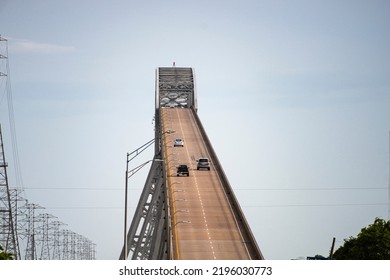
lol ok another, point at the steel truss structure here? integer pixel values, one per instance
(148, 237)
(147, 234)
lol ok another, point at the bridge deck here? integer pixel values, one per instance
(203, 223)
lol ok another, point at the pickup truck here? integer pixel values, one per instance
(182, 170)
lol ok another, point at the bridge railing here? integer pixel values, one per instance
(246, 232)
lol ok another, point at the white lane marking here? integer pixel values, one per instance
(199, 195)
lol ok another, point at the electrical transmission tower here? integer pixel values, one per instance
(8, 235)
(32, 218)
(18, 217)
(23, 231)
(56, 239)
(8, 197)
(44, 229)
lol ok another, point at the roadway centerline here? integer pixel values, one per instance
(198, 190)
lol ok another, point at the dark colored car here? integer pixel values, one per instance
(182, 170)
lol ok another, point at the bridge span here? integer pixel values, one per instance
(195, 217)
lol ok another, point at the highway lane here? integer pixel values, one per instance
(203, 224)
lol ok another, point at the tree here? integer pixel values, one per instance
(372, 243)
(5, 255)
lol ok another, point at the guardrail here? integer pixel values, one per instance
(249, 239)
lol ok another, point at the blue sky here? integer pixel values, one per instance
(294, 95)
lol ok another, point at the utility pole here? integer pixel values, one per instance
(332, 248)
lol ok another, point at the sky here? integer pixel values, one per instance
(294, 96)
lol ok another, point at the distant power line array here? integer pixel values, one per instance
(38, 234)
(26, 230)
(254, 189)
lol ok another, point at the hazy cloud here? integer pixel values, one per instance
(26, 46)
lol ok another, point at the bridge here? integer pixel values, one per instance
(195, 217)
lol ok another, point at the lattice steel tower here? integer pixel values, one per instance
(8, 236)
(32, 218)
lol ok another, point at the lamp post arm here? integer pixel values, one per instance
(136, 152)
(136, 169)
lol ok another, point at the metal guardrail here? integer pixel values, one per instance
(249, 239)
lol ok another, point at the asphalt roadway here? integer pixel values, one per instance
(202, 221)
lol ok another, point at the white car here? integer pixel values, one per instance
(178, 143)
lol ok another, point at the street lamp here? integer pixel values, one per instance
(130, 173)
(136, 152)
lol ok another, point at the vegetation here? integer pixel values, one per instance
(372, 243)
(5, 255)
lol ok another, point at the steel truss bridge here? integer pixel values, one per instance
(186, 218)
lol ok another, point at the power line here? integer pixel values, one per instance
(243, 206)
(84, 207)
(24, 221)
(11, 115)
(316, 205)
(309, 189)
(241, 189)
(81, 189)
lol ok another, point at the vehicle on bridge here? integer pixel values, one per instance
(182, 169)
(203, 163)
(178, 143)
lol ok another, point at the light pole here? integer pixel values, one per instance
(129, 173)
(136, 152)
